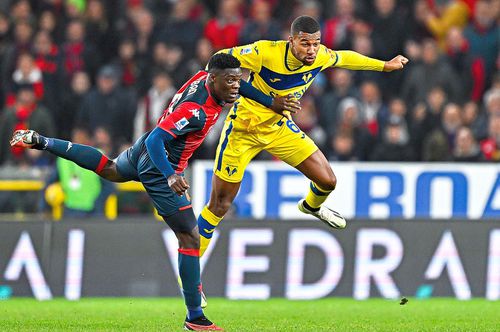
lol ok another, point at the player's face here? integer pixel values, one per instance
(305, 46)
(227, 84)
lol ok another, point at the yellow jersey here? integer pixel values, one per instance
(275, 71)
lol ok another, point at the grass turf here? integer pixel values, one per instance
(334, 314)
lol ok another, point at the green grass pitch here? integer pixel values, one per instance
(333, 314)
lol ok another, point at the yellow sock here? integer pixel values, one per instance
(316, 195)
(207, 221)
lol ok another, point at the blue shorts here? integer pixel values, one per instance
(134, 164)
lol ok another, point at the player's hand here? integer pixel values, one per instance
(284, 105)
(178, 184)
(395, 64)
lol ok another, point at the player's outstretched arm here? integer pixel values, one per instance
(356, 61)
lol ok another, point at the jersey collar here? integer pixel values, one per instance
(290, 60)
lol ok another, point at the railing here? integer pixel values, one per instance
(111, 205)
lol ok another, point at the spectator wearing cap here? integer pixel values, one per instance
(110, 106)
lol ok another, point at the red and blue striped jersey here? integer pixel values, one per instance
(189, 117)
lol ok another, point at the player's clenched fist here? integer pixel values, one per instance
(395, 64)
(178, 184)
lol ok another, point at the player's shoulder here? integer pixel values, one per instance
(191, 109)
(270, 45)
(326, 54)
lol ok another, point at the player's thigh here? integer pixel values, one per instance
(166, 201)
(291, 145)
(317, 169)
(235, 150)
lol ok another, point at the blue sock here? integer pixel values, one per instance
(83, 155)
(189, 271)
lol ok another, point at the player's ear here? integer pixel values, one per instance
(211, 78)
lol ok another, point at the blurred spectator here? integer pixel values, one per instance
(338, 30)
(83, 192)
(26, 73)
(144, 31)
(70, 104)
(374, 110)
(471, 74)
(26, 113)
(491, 145)
(444, 15)
(223, 30)
(261, 25)
(483, 36)
(98, 29)
(425, 117)
(466, 147)
(47, 60)
(203, 53)
(475, 119)
(23, 33)
(170, 59)
(132, 70)
(48, 23)
(152, 105)
(77, 55)
(434, 70)
(439, 144)
(109, 106)
(342, 147)
(395, 143)
(341, 87)
(389, 30)
(351, 122)
(182, 27)
(307, 120)
(20, 10)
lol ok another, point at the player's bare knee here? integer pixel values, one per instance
(329, 184)
(220, 205)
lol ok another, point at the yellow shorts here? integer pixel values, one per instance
(237, 147)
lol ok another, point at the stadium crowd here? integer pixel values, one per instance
(105, 69)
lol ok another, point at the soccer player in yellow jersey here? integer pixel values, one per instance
(279, 68)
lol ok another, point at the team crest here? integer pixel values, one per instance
(306, 77)
(230, 169)
(181, 123)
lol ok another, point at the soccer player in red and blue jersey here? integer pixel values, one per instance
(159, 158)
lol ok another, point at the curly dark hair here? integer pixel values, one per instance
(222, 61)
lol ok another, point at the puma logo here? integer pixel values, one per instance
(274, 80)
(70, 145)
(209, 231)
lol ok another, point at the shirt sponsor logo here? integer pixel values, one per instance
(181, 123)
